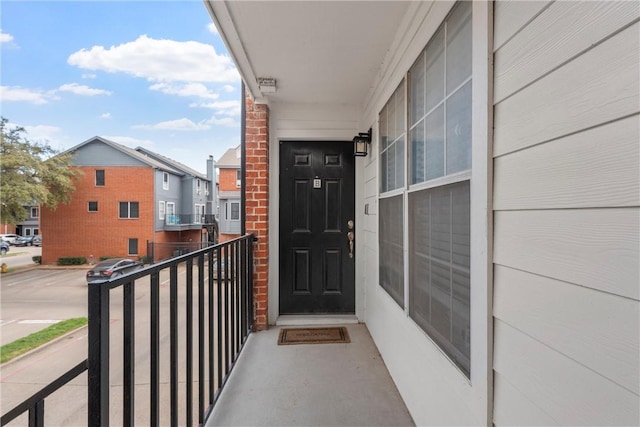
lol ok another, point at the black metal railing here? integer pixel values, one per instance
(182, 219)
(194, 311)
(34, 405)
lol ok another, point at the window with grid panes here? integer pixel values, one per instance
(439, 91)
(392, 131)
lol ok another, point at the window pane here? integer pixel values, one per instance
(383, 172)
(417, 153)
(435, 70)
(459, 45)
(93, 206)
(124, 210)
(392, 247)
(399, 180)
(100, 178)
(435, 143)
(384, 132)
(439, 221)
(133, 210)
(161, 210)
(416, 90)
(391, 164)
(399, 111)
(459, 130)
(133, 246)
(235, 211)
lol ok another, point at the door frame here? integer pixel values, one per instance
(274, 225)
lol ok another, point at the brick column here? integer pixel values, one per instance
(257, 203)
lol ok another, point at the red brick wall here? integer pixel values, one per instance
(71, 230)
(227, 180)
(257, 202)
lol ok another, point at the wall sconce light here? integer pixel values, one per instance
(361, 143)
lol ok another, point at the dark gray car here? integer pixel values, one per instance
(112, 268)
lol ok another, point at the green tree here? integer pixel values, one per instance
(31, 173)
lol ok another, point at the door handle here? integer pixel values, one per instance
(350, 236)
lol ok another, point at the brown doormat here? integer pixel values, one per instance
(313, 335)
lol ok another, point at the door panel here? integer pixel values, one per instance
(316, 203)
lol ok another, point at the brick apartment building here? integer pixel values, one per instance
(129, 203)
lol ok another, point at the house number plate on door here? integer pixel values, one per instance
(317, 183)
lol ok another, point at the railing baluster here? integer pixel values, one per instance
(232, 305)
(226, 309)
(128, 356)
(219, 293)
(243, 290)
(211, 312)
(201, 344)
(173, 341)
(36, 415)
(189, 343)
(98, 355)
(238, 300)
(154, 397)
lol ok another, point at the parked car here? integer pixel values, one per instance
(24, 241)
(4, 248)
(37, 240)
(111, 268)
(9, 238)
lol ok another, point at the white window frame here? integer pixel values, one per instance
(36, 210)
(206, 188)
(481, 180)
(238, 178)
(198, 186)
(165, 180)
(89, 206)
(161, 210)
(230, 211)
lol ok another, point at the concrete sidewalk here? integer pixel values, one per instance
(310, 385)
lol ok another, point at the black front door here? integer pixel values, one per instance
(317, 197)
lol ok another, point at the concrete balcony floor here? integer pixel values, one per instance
(310, 385)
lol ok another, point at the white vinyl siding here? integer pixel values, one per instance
(567, 213)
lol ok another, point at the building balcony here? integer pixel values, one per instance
(184, 354)
(180, 222)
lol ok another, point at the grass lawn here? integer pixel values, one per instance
(23, 345)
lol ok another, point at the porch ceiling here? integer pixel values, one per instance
(320, 52)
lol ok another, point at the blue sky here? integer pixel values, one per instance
(142, 73)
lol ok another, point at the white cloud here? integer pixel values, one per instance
(212, 28)
(225, 121)
(83, 90)
(190, 89)
(88, 76)
(159, 61)
(225, 108)
(42, 133)
(5, 37)
(131, 142)
(228, 88)
(179, 124)
(105, 115)
(34, 96)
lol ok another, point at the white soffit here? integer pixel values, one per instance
(319, 52)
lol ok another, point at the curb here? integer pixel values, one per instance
(47, 344)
